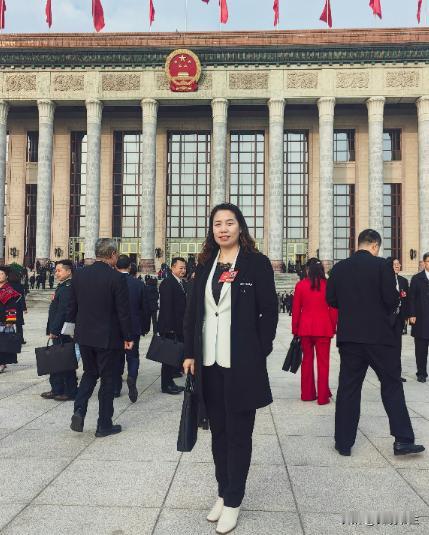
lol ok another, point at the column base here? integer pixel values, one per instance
(147, 265)
(327, 264)
(277, 265)
(89, 261)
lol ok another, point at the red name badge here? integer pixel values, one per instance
(228, 276)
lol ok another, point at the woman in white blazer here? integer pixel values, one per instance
(229, 327)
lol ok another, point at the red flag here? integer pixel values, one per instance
(2, 13)
(206, 1)
(151, 12)
(276, 9)
(419, 10)
(48, 12)
(223, 11)
(98, 15)
(326, 15)
(375, 5)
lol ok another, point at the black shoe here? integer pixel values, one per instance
(77, 422)
(403, 448)
(345, 452)
(172, 389)
(114, 430)
(177, 375)
(403, 379)
(421, 379)
(132, 389)
(23, 342)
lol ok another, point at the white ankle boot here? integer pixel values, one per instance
(216, 511)
(228, 520)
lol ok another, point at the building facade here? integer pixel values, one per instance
(314, 134)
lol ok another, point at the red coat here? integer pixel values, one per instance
(311, 314)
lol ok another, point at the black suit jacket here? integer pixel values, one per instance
(58, 308)
(363, 288)
(172, 306)
(139, 306)
(254, 317)
(99, 306)
(404, 291)
(418, 305)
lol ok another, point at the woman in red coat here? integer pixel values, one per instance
(315, 323)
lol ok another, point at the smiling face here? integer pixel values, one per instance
(226, 230)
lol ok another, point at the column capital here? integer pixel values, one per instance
(46, 110)
(4, 110)
(276, 107)
(94, 110)
(150, 109)
(422, 104)
(220, 109)
(375, 107)
(326, 107)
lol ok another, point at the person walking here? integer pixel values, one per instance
(32, 280)
(402, 313)
(139, 309)
(363, 289)
(151, 284)
(63, 384)
(172, 306)
(315, 322)
(21, 309)
(51, 279)
(99, 307)
(229, 328)
(419, 318)
(9, 303)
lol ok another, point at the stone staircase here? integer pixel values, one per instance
(285, 282)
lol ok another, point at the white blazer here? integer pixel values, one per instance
(217, 324)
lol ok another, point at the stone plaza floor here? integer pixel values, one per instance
(56, 482)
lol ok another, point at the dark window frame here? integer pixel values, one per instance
(344, 223)
(78, 156)
(30, 224)
(32, 151)
(392, 144)
(392, 220)
(350, 150)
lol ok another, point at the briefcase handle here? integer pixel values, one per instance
(190, 383)
(52, 340)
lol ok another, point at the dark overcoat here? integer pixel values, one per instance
(254, 317)
(418, 305)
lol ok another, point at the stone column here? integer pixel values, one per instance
(44, 180)
(4, 109)
(276, 108)
(375, 107)
(94, 115)
(219, 159)
(423, 121)
(150, 116)
(326, 107)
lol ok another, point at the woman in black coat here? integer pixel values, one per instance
(9, 303)
(229, 328)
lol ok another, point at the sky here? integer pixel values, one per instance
(27, 16)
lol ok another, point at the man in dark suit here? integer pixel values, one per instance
(100, 309)
(402, 315)
(139, 309)
(172, 306)
(419, 318)
(363, 288)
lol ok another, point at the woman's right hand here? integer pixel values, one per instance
(189, 366)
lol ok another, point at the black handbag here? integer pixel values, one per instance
(188, 428)
(166, 351)
(294, 356)
(56, 358)
(10, 342)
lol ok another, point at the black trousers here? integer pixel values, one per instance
(231, 436)
(167, 372)
(63, 382)
(133, 362)
(421, 346)
(398, 330)
(97, 363)
(355, 359)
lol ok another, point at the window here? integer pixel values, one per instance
(344, 145)
(188, 184)
(392, 211)
(77, 184)
(344, 221)
(296, 185)
(32, 146)
(247, 178)
(392, 145)
(30, 224)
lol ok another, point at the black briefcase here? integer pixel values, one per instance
(10, 343)
(56, 358)
(294, 356)
(188, 428)
(166, 351)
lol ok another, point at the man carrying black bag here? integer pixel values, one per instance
(63, 384)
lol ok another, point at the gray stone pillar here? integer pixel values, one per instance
(326, 107)
(94, 115)
(276, 108)
(423, 119)
(44, 180)
(375, 107)
(150, 116)
(219, 159)
(4, 109)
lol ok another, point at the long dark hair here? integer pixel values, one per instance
(210, 247)
(315, 272)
